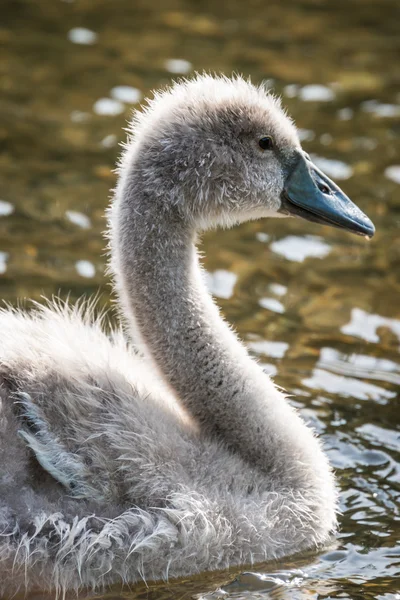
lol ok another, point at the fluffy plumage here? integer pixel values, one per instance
(122, 464)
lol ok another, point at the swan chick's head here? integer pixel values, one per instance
(219, 151)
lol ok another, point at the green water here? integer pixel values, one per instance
(319, 307)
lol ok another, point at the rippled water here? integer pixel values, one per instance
(318, 307)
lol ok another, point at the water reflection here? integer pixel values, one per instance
(108, 106)
(126, 93)
(299, 248)
(318, 308)
(178, 66)
(221, 283)
(6, 208)
(316, 93)
(272, 349)
(347, 386)
(366, 326)
(380, 109)
(278, 289)
(272, 304)
(85, 268)
(3, 262)
(360, 365)
(393, 173)
(81, 35)
(79, 219)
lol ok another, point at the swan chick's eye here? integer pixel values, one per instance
(266, 142)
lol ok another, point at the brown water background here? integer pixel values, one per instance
(319, 307)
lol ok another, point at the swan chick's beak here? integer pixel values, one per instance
(310, 194)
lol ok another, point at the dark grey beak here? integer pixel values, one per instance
(310, 194)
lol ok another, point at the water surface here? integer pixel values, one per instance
(318, 307)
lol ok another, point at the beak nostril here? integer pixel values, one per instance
(324, 188)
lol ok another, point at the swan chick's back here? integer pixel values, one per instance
(123, 489)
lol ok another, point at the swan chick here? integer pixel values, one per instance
(163, 449)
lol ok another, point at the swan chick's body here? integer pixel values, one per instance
(178, 454)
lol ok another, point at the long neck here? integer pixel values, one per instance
(225, 391)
